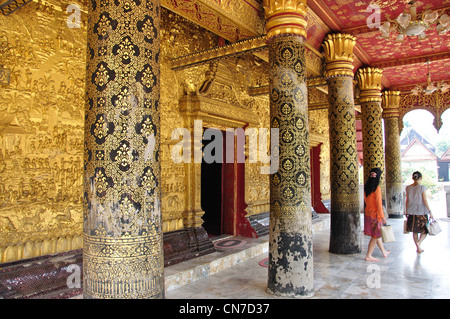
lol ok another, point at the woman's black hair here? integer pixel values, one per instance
(373, 181)
(416, 175)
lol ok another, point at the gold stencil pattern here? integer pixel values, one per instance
(394, 183)
(122, 213)
(290, 185)
(343, 151)
(138, 277)
(393, 160)
(290, 235)
(373, 151)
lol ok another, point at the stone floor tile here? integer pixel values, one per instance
(404, 274)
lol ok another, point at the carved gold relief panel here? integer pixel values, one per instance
(41, 125)
(41, 130)
(179, 37)
(318, 124)
(219, 86)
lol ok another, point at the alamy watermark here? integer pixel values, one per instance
(189, 149)
(74, 279)
(374, 279)
(74, 19)
(374, 19)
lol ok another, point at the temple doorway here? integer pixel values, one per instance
(222, 189)
(211, 196)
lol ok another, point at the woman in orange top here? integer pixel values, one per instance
(373, 213)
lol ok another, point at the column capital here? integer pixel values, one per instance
(369, 81)
(338, 52)
(390, 103)
(285, 17)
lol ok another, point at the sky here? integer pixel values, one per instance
(422, 122)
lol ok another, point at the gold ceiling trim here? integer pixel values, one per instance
(231, 50)
(411, 60)
(256, 45)
(314, 82)
(232, 20)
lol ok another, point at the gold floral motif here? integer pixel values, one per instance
(290, 186)
(343, 163)
(104, 25)
(147, 127)
(101, 75)
(101, 129)
(101, 183)
(124, 154)
(148, 180)
(148, 77)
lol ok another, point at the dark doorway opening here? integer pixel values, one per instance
(223, 186)
(211, 193)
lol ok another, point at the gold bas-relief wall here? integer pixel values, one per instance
(41, 131)
(42, 118)
(318, 124)
(179, 37)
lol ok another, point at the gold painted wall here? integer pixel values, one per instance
(318, 123)
(41, 132)
(179, 37)
(42, 118)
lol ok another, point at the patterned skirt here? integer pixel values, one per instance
(372, 226)
(417, 224)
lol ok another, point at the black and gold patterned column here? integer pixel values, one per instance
(369, 81)
(394, 183)
(122, 253)
(290, 239)
(345, 231)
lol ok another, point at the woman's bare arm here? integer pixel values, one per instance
(425, 202)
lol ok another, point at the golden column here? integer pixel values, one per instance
(122, 252)
(345, 231)
(369, 81)
(290, 237)
(394, 183)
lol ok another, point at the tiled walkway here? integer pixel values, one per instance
(403, 274)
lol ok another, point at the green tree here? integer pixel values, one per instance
(442, 145)
(428, 176)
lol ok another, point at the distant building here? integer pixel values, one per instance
(409, 138)
(418, 153)
(444, 167)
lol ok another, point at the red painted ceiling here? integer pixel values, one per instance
(402, 62)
